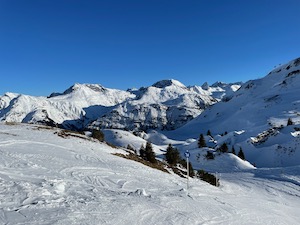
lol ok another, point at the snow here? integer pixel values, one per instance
(167, 104)
(47, 179)
(260, 108)
(76, 106)
(48, 176)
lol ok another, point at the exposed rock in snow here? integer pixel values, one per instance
(166, 83)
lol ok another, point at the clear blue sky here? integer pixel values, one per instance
(48, 45)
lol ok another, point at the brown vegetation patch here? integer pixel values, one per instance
(158, 165)
(70, 133)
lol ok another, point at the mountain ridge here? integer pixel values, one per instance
(256, 118)
(82, 104)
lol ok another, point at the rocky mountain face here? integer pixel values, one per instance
(167, 104)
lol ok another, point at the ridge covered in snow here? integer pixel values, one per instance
(83, 102)
(255, 117)
(167, 104)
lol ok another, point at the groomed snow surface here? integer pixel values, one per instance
(48, 179)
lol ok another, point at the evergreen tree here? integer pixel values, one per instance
(201, 141)
(208, 133)
(241, 154)
(233, 150)
(209, 155)
(149, 154)
(143, 152)
(290, 122)
(224, 148)
(172, 155)
(191, 170)
(210, 178)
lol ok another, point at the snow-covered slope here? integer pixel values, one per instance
(51, 179)
(259, 112)
(167, 104)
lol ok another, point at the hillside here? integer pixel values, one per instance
(48, 176)
(255, 118)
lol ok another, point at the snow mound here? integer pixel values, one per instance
(139, 192)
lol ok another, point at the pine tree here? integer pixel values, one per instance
(149, 154)
(241, 154)
(290, 122)
(224, 148)
(191, 170)
(172, 155)
(210, 178)
(201, 141)
(233, 150)
(208, 133)
(209, 155)
(183, 162)
(142, 152)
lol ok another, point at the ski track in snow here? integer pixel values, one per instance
(45, 179)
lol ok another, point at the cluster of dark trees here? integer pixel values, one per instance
(223, 148)
(147, 153)
(208, 177)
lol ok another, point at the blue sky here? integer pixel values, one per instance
(48, 45)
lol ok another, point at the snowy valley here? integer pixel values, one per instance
(50, 175)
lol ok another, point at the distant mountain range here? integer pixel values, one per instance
(166, 105)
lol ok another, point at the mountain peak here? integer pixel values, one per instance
(78, 86)
(290, 66)
(205, 86)
(166, 83)
(219, 84)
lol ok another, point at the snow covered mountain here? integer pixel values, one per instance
(77, 106)
(167, 104)
(256, 117)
